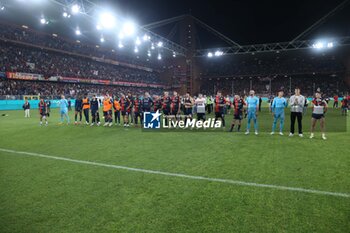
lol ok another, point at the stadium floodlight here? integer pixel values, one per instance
(43, 21)
(75, 9)
(146, 37)
(318, 45)
(152, 46)
(149, 53)
(129, 28)
(210, 54)
(137, 41)
(174, 54)
(2, 8)
(120, 45)
(66, 15)
(160, 44)
(330, 45)
(121, 35)
(107, 20)
(159, 56)
(136, 50)
(218, 53)
(77, 32)
(102, 39)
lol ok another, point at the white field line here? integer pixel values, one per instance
(227, 181)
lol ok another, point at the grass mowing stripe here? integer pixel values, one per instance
(235, 182)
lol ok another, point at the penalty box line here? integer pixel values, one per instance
(218, 180)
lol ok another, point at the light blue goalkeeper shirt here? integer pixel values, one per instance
(63, 105)
(252, 103)
(278, 104)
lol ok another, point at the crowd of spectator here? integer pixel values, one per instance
(329, 85)
(33, 60)
(17, 33)
(15, 88)
(302, 62)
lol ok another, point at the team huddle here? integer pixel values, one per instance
(129, 109)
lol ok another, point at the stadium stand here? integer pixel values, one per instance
(33, 60)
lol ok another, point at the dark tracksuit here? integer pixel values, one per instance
(147, 104)
(94, 111)
(78, 108)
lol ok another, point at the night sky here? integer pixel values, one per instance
(244, 21)
(248, 21)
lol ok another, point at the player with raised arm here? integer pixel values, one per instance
(64, 109)
(238, 109)
(42, 111)
(319, 108)
(278, 105)
(252, 111)
(220, 107)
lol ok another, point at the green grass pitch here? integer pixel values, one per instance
(44, 195)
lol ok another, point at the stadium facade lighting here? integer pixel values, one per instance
(107, 20)
(218, 53)
(77, 32)
(120, 45)
(102, 39)
(174, 54)
(152, 46)
(146, 37)
(129, 28)
(75, 9)
(210, 54)
(43, 21)
(136, 49)
(65, 15)
(137, 41)
(318, 45)
(2, 8)
(160, 44)
(121, 35)
(330, 45)
(159, 56)
(149, 53)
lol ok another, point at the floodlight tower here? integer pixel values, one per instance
(188, 40)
